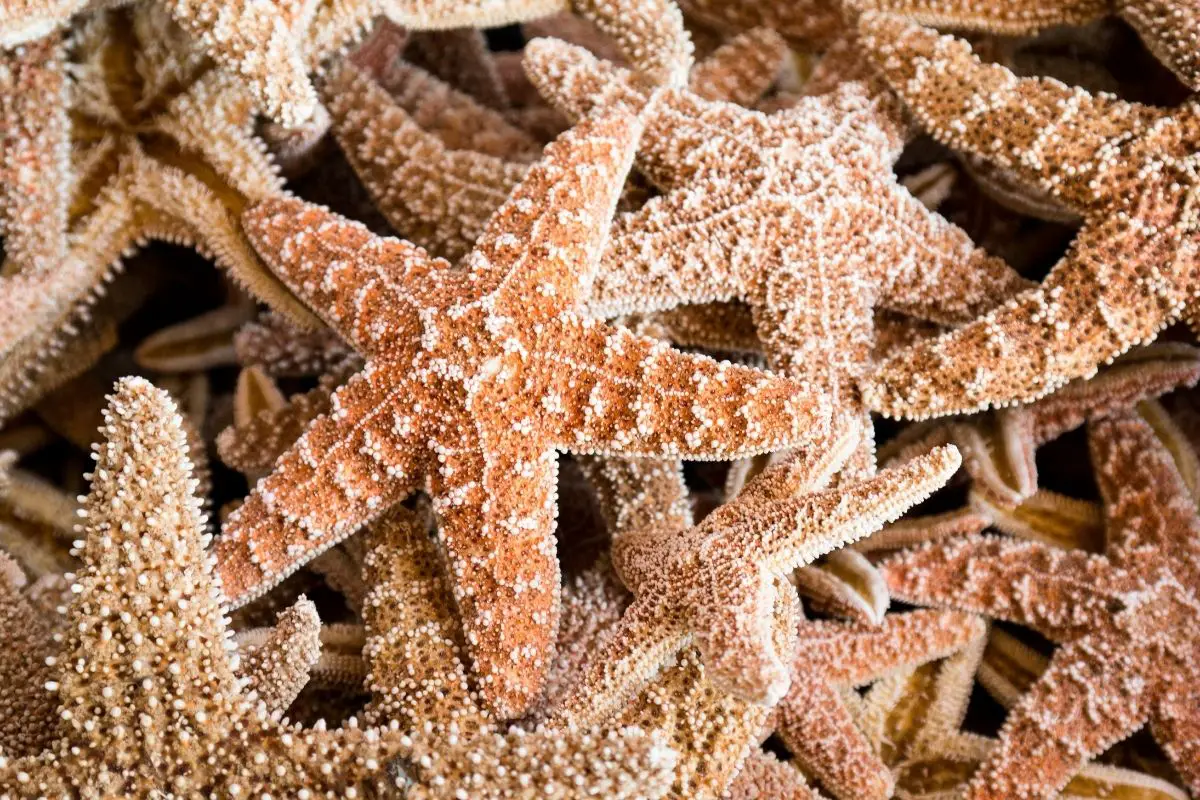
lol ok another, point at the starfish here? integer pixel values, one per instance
(27, 715)
(37, 521)
(462, 58)
(164, 149)
(468, 391)
(198, 344)
(282, 350)
(1129, 649)
(1126, 168)
(277, 668)
(786, 201)
(438, 165)
(713, 584)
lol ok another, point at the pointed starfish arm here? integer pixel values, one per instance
(341, 268)
(278, 668)
(854, 654)
(540, 250)
(764, 775)
(1148, 507)
(254, 445)
(935, 271)
(436, 197)
(1059, 593)
(1058, 138)
(1171, 30)
(350, 466)
(624, 394)
(742, 69)
(1093, 306)
(817, 727)
(1084, 702)
(1176, 725)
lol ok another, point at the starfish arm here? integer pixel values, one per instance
(460, 57)
(854, 654)
(253, 445)
(1021, 18)
(816, 726)
(24, 21)
(630, 658)
(742, 69)
(1058, 138)
(802, 21)
(1085, 701)
(623, 394)
(845, 585)
(436, 197)
(1176, 725)
(1171, 31)
(496, 512)
(1093, 306)
(277, 669)
(349, 466)
(764, 775)
(935, 272)
(283, 350)
(639, 494)
(540, 250)
(1149, 511)
(28, 720)
(1061, 594)
(34, 155)
(349, 276)
(254, 40)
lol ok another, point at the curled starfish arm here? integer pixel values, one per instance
(253, 445)
(1060, 593)
(1149, 510)
(742, 69)
(846, 585)
(339, 267)
(277, 669)
(963, 102)
(437, 197)
(1090, 308)
(630, 395)
(1081, 705)
(34, 155)
(935, 271)
(350, 466)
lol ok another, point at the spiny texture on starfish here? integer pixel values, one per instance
(283, 350)
(1170, 28)
(799, 214)
(277, 668)
(438, 165)
(164, 149)
(714, 584)
(802, 21)
(150, 703)
(1130, 653)
(27, 713)
(473, 379)
(1126, 168)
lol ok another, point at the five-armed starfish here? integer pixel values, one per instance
(474, 378)
(799, 214)
(1130, 170)
(1130, 649)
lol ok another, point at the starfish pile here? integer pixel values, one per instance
(454, 399)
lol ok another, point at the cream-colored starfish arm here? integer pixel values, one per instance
(35, 169)
(28, 712)
(277, 669)
(1107, 294)
(1047, 517)
(201, 343)
(846, 585)
(24, 21)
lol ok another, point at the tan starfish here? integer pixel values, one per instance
(1126, 168)
(1129, 652)
(201, 343)
(27, 714)
(164, 149)
(37, 521)
(786, 202)
(474, 378)
(277, 668)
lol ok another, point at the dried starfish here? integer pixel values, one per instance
(421, 154)
(165, 150)
(284, 351)
(786, 200)
(492, 373)
(713, 584)
(1125, 167)
(27, 714)
(1125, 619)
(460, 57)
(200, 343)
(277, 668)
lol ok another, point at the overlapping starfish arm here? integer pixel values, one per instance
(1005, 19)
(252, 446)
(1060, 593)
(1063, 140)
(1092, 307)
(764, 775)
(23, 21)
(460, 57)
(35, 164)
(277, 669)
(807, 21)
(27, 715)
(437, 196)
(349, 467)
(1171, 29)
(740, 70)
(1151, 516)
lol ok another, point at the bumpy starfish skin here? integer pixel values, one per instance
(150, 703)
(1130, 651)
(804, 21)
(799, 214)
(1128, 169)
(713, 584)
(284, 351)
(277, 668)
(27, 714)
(473, 379)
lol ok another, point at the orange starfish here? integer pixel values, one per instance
(1127, 168)
(1130, 650)
(474, 378)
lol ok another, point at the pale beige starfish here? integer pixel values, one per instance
(474, 379)
(27, 713)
